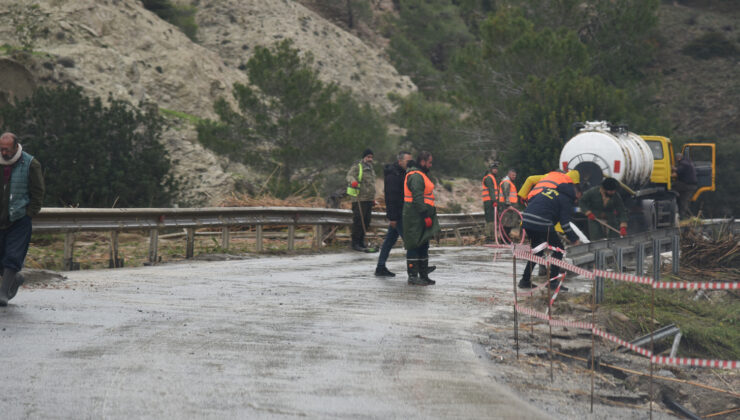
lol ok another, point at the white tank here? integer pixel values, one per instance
(614, 152)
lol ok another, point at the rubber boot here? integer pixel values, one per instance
(413, 270)
(7, 282)
(358, 246)
(424, 271)
(382, 271)
(19, 280)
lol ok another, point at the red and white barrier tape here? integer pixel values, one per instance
(562, 323)
(530, 257)
(532, 312)
(571, 267)
(685, 361)
(614, 338)
(560, 276)
(631, 278)
(696, 285)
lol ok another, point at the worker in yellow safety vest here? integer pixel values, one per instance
(536, 184)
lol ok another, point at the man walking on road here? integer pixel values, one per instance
(393, 189)
(22, 197)
(361, 189)
(420, 222)
(539, 218)
(490, 194)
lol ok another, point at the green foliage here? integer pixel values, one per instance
(181, 16)
(28, 24)
(710, 45)
(424, 39)
(547, 111)
(92, 155)
(436, 127)
(291, 120)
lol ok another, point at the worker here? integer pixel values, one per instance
(602, 202)
(539, 218)
(685, 184)
(394, 175)
(489, 194)
(420, 222)
(508, 197)
(23, 187)
(535, 184)
(361, 189)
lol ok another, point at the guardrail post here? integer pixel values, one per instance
(69, 243)
(190, 242)
(114, 261)
(656, 259)
(291, 237)
(153, 245)
(225, 237)
(318, 233)
(676, 253)
(259, 238)
(619, 257)
(640, 258)
(458, 236)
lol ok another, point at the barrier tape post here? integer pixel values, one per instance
(516, 313)
(549, 302)
(652, 347)
(593, 340)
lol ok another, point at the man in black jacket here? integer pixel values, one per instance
(538, 220)
(393, 189)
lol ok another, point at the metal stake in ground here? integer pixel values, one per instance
(652, 348)
(593, 342)
(516, 315)
(548, 253)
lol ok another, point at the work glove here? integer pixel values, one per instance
(623, 231)
(591, 216)
(428, 222)
(354, 184)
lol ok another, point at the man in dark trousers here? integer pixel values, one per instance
(361, 189)
(685, 184)
(539, 218)
(420, 222)
(393, 188)
(23, 194)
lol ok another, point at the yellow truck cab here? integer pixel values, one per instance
(703, 155)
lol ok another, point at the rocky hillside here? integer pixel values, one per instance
(118, 47)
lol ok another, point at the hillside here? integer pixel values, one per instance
(118, 48)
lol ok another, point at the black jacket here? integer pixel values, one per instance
(393, 190)
(550, 207)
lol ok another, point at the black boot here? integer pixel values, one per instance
(7, 283)
(431, 268)
(526, 284)
(19, 280)
(358, 246)
(413, 270)
(424, 271)
(382, 271)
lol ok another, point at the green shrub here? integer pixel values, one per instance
(92, 155)
(710, 45)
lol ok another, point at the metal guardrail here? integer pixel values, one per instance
(71, 220)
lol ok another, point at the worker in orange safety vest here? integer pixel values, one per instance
(489, 194)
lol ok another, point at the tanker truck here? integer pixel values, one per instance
(642, 164)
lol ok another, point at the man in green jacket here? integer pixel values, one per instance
(20, 200)
(361, 189)
(419, 217)
(490, 196)
(604, 203)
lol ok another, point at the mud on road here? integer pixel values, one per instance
(281, 337)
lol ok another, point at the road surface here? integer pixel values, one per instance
(314, 336)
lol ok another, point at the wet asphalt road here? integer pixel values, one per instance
(275, 337)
